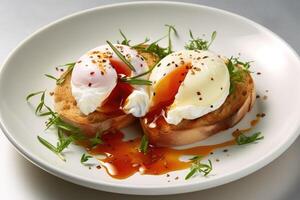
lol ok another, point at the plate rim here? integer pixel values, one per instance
(149, 190)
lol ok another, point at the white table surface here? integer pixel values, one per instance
(19, 179)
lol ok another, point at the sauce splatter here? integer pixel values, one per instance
(123, 158)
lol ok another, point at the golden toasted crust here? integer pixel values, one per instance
(231, 112)
(66, 107)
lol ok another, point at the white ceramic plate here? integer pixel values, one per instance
(66, 39)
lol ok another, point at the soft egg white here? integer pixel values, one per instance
(94, 78)
(204, 89)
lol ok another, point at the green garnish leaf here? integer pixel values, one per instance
(34, 94)
(47, 144)
(243, 139)
(237, 72)
(142, 43)
(62, 78)
(61, 145)
(155, 48)
(212, 38)
(64, 143)
(42, 101)
(118, 53)
(125, 40)
(144, 144)
(170, 29)
(198, 43)
(135, 81)
(192, 172)
(62, 127)
(52, 77)
(85, 158)
(96, 140)
(198, 167)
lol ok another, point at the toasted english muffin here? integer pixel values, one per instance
(237, 104)
(66, 107)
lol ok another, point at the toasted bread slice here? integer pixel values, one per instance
(65, 106)
(237, 104)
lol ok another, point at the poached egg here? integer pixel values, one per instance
(194, 82)
(95, 76)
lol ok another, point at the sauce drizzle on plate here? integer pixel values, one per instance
(123, 158)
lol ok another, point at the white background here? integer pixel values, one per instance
(19, 179)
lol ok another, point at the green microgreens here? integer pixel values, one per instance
(62, 144)
(151, 48)
(120, 55)
(84, 158)
(51, 77)
(135, 81)
(34, 94)
(155, 48)
(198, 43)
(125, 41)
(170, 29)
(42, 101)
(63, 128)
(237, 71)
(140, 44)
(243, 139)
(198, 167)
(62, 78)
(96, 140)
(144, 144)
